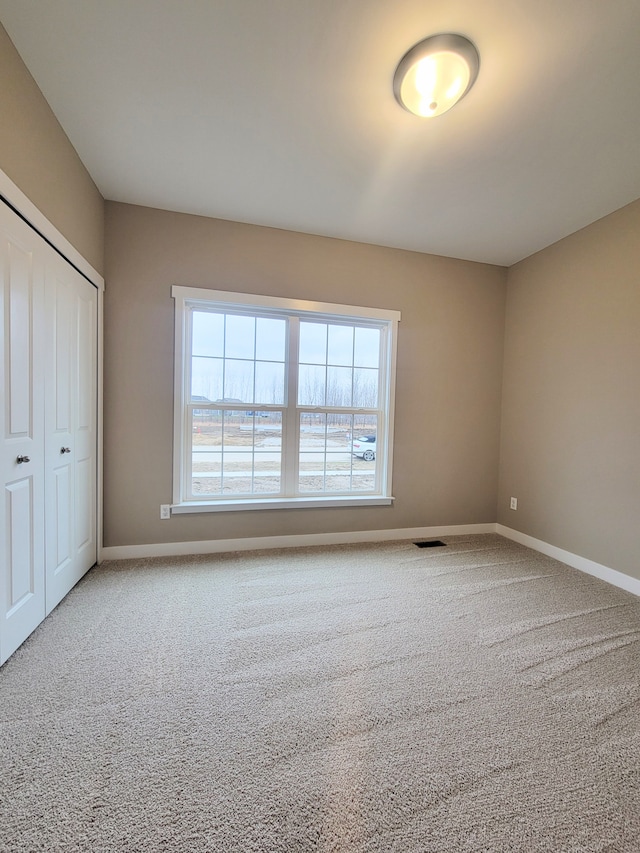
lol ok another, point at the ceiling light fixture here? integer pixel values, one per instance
(435, 74)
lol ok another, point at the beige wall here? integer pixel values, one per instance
(449, 368)
(570, 449)
(570, 446)
(37, 155)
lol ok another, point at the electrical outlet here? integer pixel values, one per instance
(514, 503)
(165, 511)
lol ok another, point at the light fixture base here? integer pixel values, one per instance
(435, 74)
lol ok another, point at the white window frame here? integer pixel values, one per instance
(189, 298)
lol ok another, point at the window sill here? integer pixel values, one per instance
(280, 503)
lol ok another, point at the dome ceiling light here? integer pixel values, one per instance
(435, 74)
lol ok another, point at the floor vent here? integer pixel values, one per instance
(432, 543)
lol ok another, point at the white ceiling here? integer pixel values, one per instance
(281, 113)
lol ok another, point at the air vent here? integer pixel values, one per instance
(432, 543)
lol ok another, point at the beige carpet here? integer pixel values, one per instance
(477, 697)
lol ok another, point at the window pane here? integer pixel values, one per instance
(365, 387)
(340, 345)
(325, 457)
(240, 335)
(267, 471)
(367, 347)
(270, 339)
(313, 343)
(365, 424)
(266, 422)
(237, 464)
(269, 382)
(206, 485)
(364, 448)
(339, 386)
(206, 379)
(313, 429)
(238, 381)
(363, 481)
(311, 477)
(338, 460)
(237, 458)
(311, 387)
(267, 453)
(340, 427)
(236, 453)
(206, 452)
(365, 453)
(338, 439)
(207, 335)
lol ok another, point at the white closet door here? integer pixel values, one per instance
(70, 429)
(85, 426)
(22, 592)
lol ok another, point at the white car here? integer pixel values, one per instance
(365, 447)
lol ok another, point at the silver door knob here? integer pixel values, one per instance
(65, 450)
(22, 459)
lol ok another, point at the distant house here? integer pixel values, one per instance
(199, 398)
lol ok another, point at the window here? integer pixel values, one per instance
(281, 403)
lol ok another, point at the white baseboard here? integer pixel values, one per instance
(217, 546)
(590, 567)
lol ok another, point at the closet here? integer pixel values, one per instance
(48, 386)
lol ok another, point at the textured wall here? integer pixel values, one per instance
(37, 155)
(570, 448)
(449, 368)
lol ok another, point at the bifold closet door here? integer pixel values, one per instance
(48, 388)
(22, 583)
(70, 427)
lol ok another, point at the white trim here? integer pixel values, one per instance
(583, 564)
(280, 303)
(290, 417)
(38, 220)
(315, 502)
(100, 427)
(390, 403)
(179, 415)
(217, 546)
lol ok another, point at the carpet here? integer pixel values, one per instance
(369, 698)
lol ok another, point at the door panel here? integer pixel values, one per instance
(19, 513)
(85, 438)
(84, 515)
(86, 307)
(19, 304)
(71, 430)
(62, 347)
(22, 591)
(60, 340)
(63, 496)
